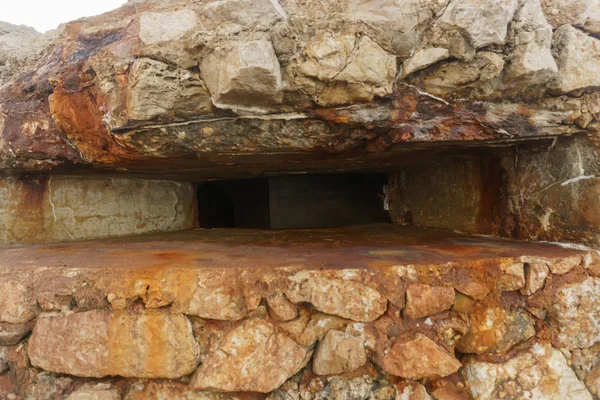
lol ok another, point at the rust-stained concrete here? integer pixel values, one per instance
(54, 208)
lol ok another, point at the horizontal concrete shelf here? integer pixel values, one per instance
(370, 246)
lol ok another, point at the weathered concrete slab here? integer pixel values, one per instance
(59, 208)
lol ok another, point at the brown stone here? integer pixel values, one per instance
(308, 328)
(11, 334)
(218, 295)
(495, 330)
(346, 298)
(535, 276)
(98, 343)
(418, 357)
(280, 308)
(564, 265)
(339, 352)
(253, 357)
(513, 277)
(17, 305)
(412, 391)
(42, 385)
(448, 389)
(423, 300)
(476, 290)
(176, 390)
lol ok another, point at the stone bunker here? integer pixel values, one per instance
(357, 199)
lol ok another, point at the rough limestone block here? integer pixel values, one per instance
(399, 24)
(17, 305)
(158, 89)
(532, 61)
(163, 27)
(423, 58)
(540, 372)
(578, 58)
(339, 352)
(346, 298)
(98, 343)
(253, 357)
(423, 300)
(244, 73)
(95, 392)
(485, 22)
(70, 208)
(575, 314)
(11, 334)
(495, 330)
(417, 357)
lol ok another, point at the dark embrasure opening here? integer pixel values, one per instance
(299, 201)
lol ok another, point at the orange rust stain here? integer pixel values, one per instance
(331, 114)
(78, 115)
(170, 255)
(524, 111)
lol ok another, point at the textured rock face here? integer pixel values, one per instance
(158, 90)
(339, 352)
(539, 373)
(20, 47)
(17, 304)
(485, 23)
(342, 297)
(577, 58)
(254, 357)
(576, 314)
(419, 357)
(244, 74)
(98, 392)
(423, 300)
(495, 330)
(99, 343)
(532, 60)
(68, 208)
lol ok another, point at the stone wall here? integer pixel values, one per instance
(58, 208)
(377, 320)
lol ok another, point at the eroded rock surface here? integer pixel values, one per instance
(253, 357)
(419, 357)
(98, 343)
(538, 373)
